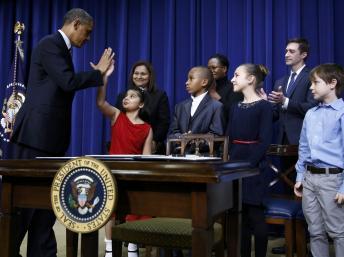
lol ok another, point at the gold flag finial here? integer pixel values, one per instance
(19, 28)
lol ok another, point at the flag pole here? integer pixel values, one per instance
(14, 92)
(18, 30)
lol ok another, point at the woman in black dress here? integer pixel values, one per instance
(156, 103)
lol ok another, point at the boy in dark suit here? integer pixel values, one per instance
(200, 114)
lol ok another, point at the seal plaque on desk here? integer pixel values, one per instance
(83, 194)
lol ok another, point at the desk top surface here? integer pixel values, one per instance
(159, 171)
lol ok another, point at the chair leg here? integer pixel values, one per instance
(301, 244)
(148, 251)
(219, 249)
(168, 252)
(289, 238)
(164, 252)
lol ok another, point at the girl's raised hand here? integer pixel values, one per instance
(110, 69)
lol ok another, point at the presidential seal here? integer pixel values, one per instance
(83, 194)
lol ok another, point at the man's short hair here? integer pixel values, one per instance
(303, 44)
(77, 13)
(223, 60)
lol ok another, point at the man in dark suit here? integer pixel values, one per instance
(292, 98)
(222, 89)
(201, 114)
(43, 124)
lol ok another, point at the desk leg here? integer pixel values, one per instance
(89, 244)
(202, 233)
(71, 243)
(202, 242)
(234, 222)
(7, 223)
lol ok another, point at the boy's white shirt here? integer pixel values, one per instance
(196, 100)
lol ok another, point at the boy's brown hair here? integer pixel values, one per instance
(327, 72)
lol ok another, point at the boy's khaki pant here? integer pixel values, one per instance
(322, 213)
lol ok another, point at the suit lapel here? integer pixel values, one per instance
(297, 81)
(63, 46)
(284, 85)
(201, 105)
(187, 110)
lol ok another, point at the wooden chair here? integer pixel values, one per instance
(197, 140)
(172, 233)
(283, 151)
(281, 210)
(300, 227)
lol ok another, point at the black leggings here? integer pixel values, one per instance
(253, 223)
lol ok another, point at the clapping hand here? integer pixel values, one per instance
(277, 97)
(105, 62)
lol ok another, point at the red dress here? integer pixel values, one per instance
(128, 138)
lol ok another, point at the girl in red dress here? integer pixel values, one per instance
(130, 134)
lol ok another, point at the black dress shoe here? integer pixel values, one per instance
(278, 250)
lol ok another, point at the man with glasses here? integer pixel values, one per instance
(222, 88)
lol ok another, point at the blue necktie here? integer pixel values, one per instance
(291, 84)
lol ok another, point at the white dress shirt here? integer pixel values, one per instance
(66, 39)
(196, 100)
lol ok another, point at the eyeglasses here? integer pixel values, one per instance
(214, 67)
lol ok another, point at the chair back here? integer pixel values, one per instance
(197, 140)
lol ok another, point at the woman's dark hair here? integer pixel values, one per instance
(223, 60)
(151, 87)
(143, 112)
(259, 71)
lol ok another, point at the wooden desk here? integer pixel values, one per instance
(158, 188)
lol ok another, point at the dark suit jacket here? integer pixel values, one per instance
(208, 118)
(300, 100)
(44, 121)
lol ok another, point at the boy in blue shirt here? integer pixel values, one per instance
(321, 161)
